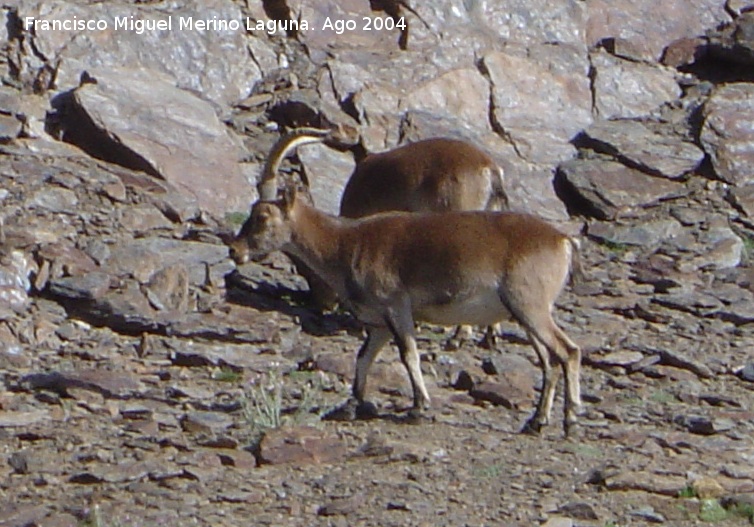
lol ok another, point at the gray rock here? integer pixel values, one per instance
(703, 425)
(327, 172)
(300, 445)
(168, 289)
(344, 505)
(661, 155)
(206, 422)
(609, 187)
(625, 89)
(118, 384)
(649, 27)
(321, 41)
(696, 302)
(10, 127)
(743, 199)
(16, 267)
(179, 139)
(54, 199)
(735, 42)
(141, 219)
(440, 96)
(532, 91)
(722, 249)
(647, 481)
(210, 62)
(648, 514)
(747, 372)
(510, 393)
(143, 257)
(648, 234)
(726, 134)
(90, 286)
(21, 419)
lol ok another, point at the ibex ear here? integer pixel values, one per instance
(288, 197)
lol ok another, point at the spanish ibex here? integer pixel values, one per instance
(394, 269)
(439, 174)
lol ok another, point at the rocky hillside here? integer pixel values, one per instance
(144, 380)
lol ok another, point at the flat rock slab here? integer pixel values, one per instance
(647, 26)
(607, 186)
(211, 62)
(144, 257)
(327, 171)
(727, 134)
(662, 155)
(301, 445)
(108, 383)
(142, 120)
(541, 99)
(648, 234)
(629, 89)
(23, 419)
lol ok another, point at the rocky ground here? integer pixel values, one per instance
(144, 380)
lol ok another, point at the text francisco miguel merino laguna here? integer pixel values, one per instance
(188, 23)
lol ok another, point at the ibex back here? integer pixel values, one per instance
(394, 269)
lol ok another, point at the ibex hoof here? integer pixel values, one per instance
(417, 416)
(366, 410)
(351, 410)
(569, 426)
(532, 427)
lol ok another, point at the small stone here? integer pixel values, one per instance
(344, 506)
(702, 425)
(206, 422)
(300, 445)
(19, 462)
(649, 514)
(707, 488)
(579, 510)
(558, 521)
(747, 372)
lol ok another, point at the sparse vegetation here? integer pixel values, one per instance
(265, 395)
(711, 510)
(616, 247)
(227, 375)
(95, 517)
(236, 218)
(687, 492)
(490, 471)
(263, 401)
(663, 397)
(748, 241)
(743, 510)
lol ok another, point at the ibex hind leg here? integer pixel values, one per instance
(572, 370)
(376, 339)
(533, 310)
(550, 376)
(402, 326)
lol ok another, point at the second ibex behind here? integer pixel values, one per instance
(395, 269)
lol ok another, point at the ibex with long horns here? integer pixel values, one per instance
(394, 269)
(439, 174)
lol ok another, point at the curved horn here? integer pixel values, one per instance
(268, 183)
